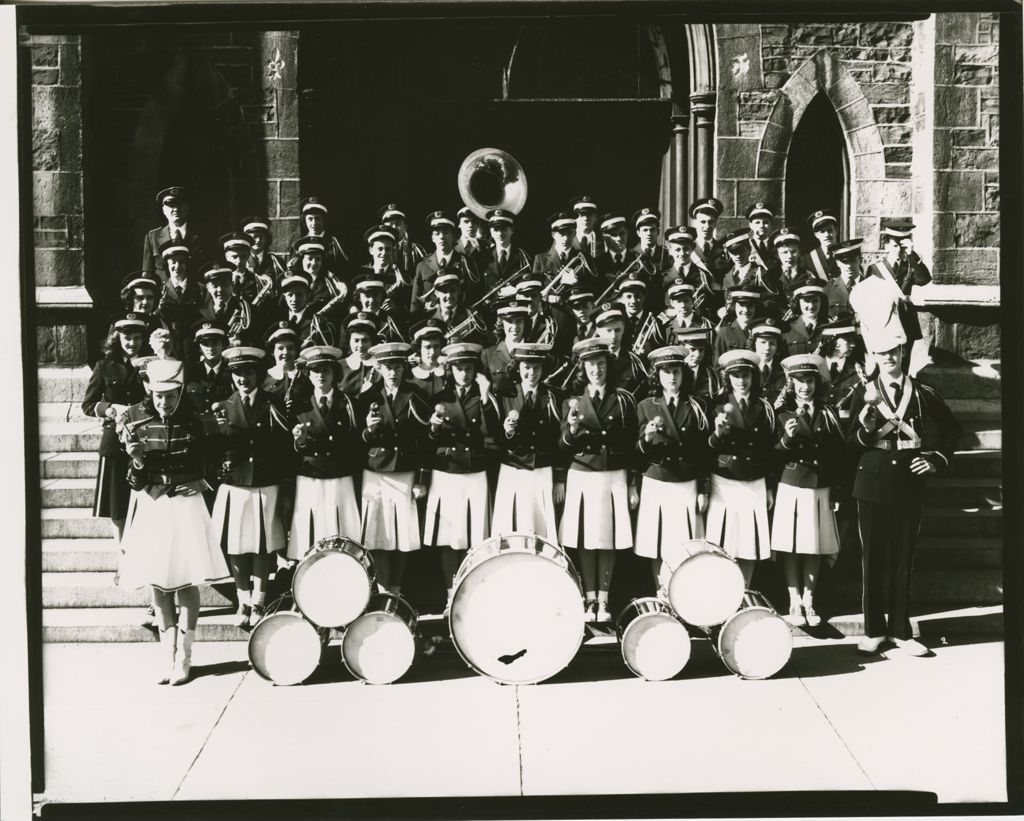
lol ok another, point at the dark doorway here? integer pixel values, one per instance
(817, 173)
(391, 110)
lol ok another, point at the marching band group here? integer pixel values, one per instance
(604, 395)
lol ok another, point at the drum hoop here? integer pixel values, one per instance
(717, 640)
(322, 633)
(475, 559)
(401, 609)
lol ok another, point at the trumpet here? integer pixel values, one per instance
(647, 331)
(472, 323)
(574, 267)
(636, 266)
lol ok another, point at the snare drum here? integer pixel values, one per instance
(284, 646)
(380, 645)
(517, 610)
(334, 581)
(702, 582)
(654, 642)
(756, 641)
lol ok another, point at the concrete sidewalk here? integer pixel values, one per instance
(830, 720)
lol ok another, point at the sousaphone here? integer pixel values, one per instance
(492, 178)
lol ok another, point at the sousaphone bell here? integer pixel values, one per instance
(492, 178)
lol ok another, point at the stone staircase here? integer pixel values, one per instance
(957, 583)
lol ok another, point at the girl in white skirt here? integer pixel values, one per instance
(673, 446)
(395, 436)
(465, 416)
(327, 439)
(256, 443)
(169, 541)
(599, 431)
(531, 479)
(804, 526)
(742, 442)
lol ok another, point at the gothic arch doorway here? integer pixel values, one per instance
(817, 167)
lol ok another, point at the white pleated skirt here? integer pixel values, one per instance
(667, 515)
(245, 517)
(803, 522)
(601, 495)
(323, 507)
(524, 500)
(390, 519)
(458, 510)
(738, 518)
(170, 543)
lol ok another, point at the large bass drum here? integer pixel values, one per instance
(284, 646)
(334, 581)
(380, 645)
(702, 583)
(655, 644)
(755, 642)
(517, 610)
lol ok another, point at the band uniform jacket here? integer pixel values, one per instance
(464, 443)
(174, 450)
(837, 292)
(356, 375)
(153, 262)
(430, 382)
(594, 246)
(325, 293)
(774, 380)
(552, 325)
(607, 431)
(495, 270)
(883, 473)
(842, 380)
(535, 442)
(397, 291)
(258, 448)
(480, 337)
(610, 264)
(673, 324)
(231, 312)
(336, 260)
(705, 381)
(497, 364)
(408, 255)
(628, 371)
(815, 454)
(731, 337)
(745, 451)
(204, 387)
(427, 271)
(112, 383)
(760, 254)
(549, 263)
(634, 325)
(180, 310)
(679, 451)
(798, 340)
(268, 264)
(820, 265)
(333, 447)
(399, 443)
(907, 272)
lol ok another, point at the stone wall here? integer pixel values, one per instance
(57, 194)
(769, 74)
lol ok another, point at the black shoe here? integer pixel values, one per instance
(149, 619)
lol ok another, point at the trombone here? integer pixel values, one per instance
(636, 266)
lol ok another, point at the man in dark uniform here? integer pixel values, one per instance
(679, 240)
(903, 431)
(788, 271)
(744, 304)
(640, 321)
(704, 379)
(647, 224)
(444, 259)
(469, 243)
(225, 308)
(397, 289)
(617, 256)
(628, 367)
(837, 289)
(804, 334)
(407, 254)
(459, 325)
(261, 260)
(496, 361)
(296, 309)
(324, 287)
(369, 295)
(759, 221)
(708, 254)
(175, 205)
(587, 238)
(181, 296)
(546, 323)
(236, 248)
(765, 340)
(820, 261)
(680, 313)
(506, 257)
(314, 220)
(552, 261)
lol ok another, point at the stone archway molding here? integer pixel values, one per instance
(824, 72)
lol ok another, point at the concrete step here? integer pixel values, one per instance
(67, 492)
(958, 521)
(74, 522)
(980, 462)
(84, 465)
(80, 555)
(976, 410)
(930, 587)
(121, 624)
(95, 589)
(935, 626)
(964, 491)
(61, 412)
(984, 438)
(65, 437)
(954, 553)
(978, 380)
(63, 384)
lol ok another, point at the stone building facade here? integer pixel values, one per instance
(911, 106)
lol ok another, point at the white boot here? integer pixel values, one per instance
(183, 658)
(168, 642)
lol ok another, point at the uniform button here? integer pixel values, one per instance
(330, 438)
(683, 427)
(814, 461)
(250, 458)
(894, 461)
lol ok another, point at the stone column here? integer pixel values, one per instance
(57, 201)
(680, 163)
(278, 61)
(703, 105)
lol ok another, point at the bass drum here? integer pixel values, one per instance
(334, 581)
(284, 646)
(755, 642)
(516, 613)
(702, 583)
(380, 645)
(655, 644)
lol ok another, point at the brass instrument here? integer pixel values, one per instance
(787, 391)
(265, 289)
(241, 319)
(496, 290)
(862, 379)
(491, 178)
(637, 265)
(315, 328)
(645, 334)
(289, 394)
(472, 322)
(561, 378)
(575, 266)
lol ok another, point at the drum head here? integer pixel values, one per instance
(284, 648)
(517, 617)
(331, 588)
(755, 643)
(378, 648)
(655, 646)
(706, 589)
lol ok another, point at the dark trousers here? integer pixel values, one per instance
(888, 533)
